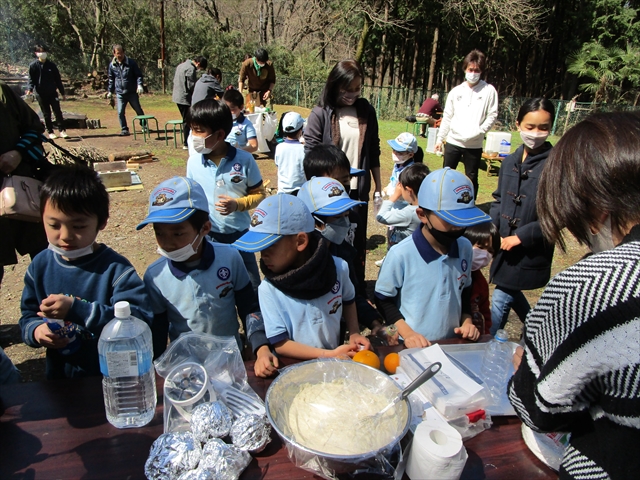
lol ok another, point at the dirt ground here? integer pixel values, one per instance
(129, 207)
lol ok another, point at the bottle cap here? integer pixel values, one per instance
(501, 335)
(122, 310)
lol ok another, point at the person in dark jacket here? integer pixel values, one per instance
(45, 81)
(125, 80)
(20, 154)
(524, 261)
(184, 82)
(208, 86)
(344, 119)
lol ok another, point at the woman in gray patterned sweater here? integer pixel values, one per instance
(579, 371)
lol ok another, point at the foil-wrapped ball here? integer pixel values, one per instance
(225, 461)
(251, 432)
(171, 455)
(211, 420)
(198, 474)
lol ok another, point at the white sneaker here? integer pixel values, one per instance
(63, 134)
(53, 136)
(379, 262)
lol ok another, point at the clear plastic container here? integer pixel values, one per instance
(129, 383)
(377, 203)
(495, 365)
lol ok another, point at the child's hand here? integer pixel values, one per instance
(47, 338)
(508, 243)
(397, 193)
(468, 330)
(226, 204)
(349, 350)
(415, 340)
(266, 363)
(55, 306)
(355, 340)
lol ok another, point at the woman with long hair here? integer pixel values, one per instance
(345, 119)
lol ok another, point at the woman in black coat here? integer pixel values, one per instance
(344, 119)
(524, 261)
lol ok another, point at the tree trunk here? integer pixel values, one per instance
(272, 23)
(414, 71)
(432, 64)
(77, 31)
(263, 23)
(363, 40)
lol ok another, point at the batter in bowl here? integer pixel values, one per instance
(336, 418)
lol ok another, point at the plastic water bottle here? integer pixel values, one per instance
(129, 383)
(377, 203)
(495, 365)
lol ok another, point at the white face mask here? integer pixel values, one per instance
(181, 254)
(400, 158)
(198, 144)
(533, 141)
(42, 56)
(72, 254)
(234, 116)
(603, 240)
(472, 77)
(481, 258)
(335, 231)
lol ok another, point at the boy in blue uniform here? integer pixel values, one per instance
(424, 286)
(306, 291)
(243, 133)
(198, 285)
(229, 176)
(330, 161)
(76, 280)
(290, 155)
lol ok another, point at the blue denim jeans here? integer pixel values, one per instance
(123, 100)
(502, 301)
(248, 258)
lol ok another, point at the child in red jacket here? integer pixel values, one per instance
(486, 243)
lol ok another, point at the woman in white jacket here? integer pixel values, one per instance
(469, 112)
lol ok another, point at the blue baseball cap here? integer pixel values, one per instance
(449, 194)
(174, 201)
(356, 172)
(274, 217)
(405, 142)
(326, 196)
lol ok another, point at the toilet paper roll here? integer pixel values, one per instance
(436, 453)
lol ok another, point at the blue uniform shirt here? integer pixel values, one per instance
(202, 300)
(315, 322)
(241, 131)
(236, 174)
(427, 285)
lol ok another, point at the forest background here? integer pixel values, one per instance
(586, 50)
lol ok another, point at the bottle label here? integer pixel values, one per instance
(122, 364)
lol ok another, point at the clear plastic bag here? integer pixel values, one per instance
(336, 435)
(196, 368)
(269, 126)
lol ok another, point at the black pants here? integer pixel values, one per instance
(470, 157)
(48, 102)
(361, 216)
(184, 109)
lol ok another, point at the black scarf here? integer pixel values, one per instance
(312, 280)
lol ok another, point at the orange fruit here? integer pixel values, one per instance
(391, 362)
(368, 358)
